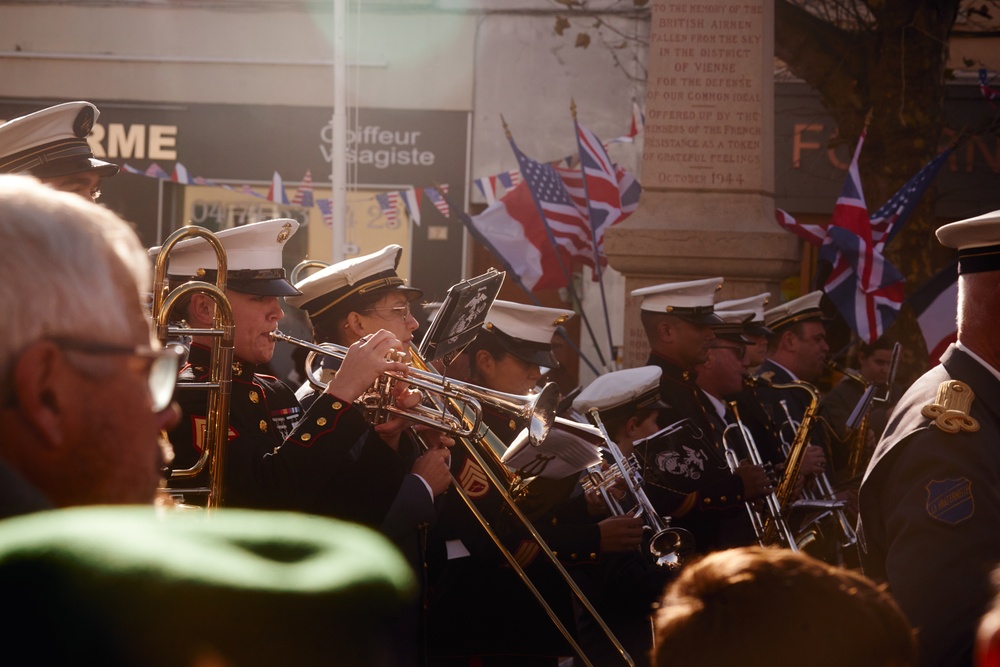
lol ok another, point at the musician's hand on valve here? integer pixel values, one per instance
(364, 361)
(756, 483)
(404, 399)
(621, 533)
(433, 467)
(813, 461)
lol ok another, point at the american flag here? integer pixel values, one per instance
(887, 221)
(563, 217)
(387, 201)
(988, 92)
(867, 290)
(439, 201)
(326, 209)
(304, 195)
(156, 171)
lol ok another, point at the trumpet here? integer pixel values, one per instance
(537, 409)
(669, 547)
(772, 505)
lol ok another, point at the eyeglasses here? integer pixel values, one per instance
(159, 365)
(739, 350)
(394, 312)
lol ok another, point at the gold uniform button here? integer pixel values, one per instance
(722, 499)
(512, 424)
(707, 501)
(337, 405)
(263, 426)
(254, 397)
(306, 437)
(572, 556)
(593, 556)
(321, 421)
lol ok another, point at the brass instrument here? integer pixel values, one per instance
(826, 501)
(484, 441)
(537, 409)
(219, 385)
(771, 504)
(669, 547)
(857, 423)
(456, 408)
(305, 265)
(796, 450)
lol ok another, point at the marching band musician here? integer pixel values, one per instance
(623, 583)
(389, 481)
(929, 500)
(51, 145)
(796, 352)
(874, 361)
(278, 456)
(495, 620)
(678, 319)
(764, 431)
(720, 379)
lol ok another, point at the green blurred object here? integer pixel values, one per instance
(134, 586)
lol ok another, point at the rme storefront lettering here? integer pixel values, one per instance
(136, 141)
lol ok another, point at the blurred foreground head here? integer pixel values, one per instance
(755, 606)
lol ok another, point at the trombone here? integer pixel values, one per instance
(457, 409)
(219, 385)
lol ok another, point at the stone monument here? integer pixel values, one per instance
(707, 207)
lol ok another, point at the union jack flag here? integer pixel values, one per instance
(814, 234)
(867, 290)
(600, 185)
(304, 195)
(439, 201)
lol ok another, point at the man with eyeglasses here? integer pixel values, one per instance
(279, 456)
(84, 391)
(388, 482)
(720, 379)
(51, 145)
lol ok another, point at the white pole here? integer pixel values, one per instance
(339, 164)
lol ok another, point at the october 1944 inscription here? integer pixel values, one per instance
(703, 104)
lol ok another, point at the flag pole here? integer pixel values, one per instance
(593, 237)
(338, 174)
(555, 246)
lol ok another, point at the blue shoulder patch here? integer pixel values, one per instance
(950, 500)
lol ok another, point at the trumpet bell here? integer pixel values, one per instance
(672, 548)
